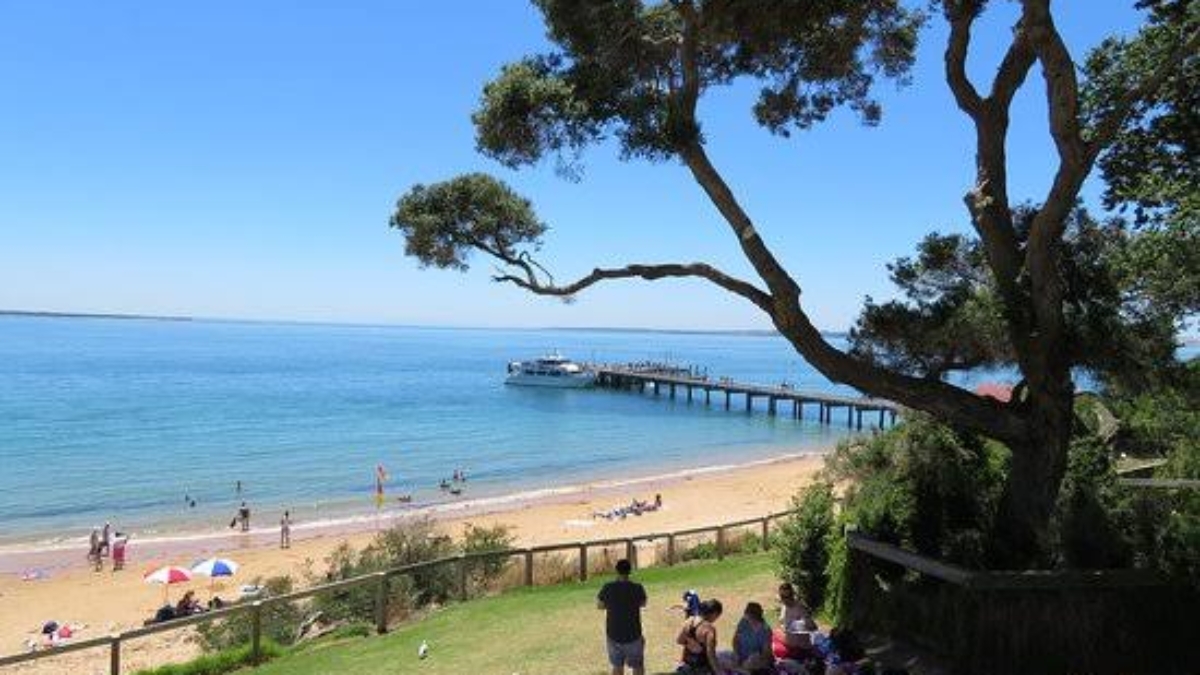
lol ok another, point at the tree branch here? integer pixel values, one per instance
(1062, 87)
(987, 201)
(648, 272)
(961, 15)
(1014, 67)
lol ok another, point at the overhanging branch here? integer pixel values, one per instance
(648, 272)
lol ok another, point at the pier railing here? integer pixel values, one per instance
(691, 384)
(380, 582)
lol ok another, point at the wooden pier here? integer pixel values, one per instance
(674, 381)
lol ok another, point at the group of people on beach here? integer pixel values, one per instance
(106, 542)
(793, 645)
(636, 507)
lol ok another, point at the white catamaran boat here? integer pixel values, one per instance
(554, 370)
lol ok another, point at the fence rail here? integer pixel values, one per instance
(1103, 621)
(114, 641)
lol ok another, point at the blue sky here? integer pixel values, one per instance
(240, 159)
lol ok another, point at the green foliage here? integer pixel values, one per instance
(1093, 516)
(1164, 422)
(1152, 169)
(837, 577)
(407, 543)
(924, 486)
(734, 544)
(443, 222)
(219, 663)
(280, 620)
(803, 540)
(478, 539)
(616, 70)
(950, 317)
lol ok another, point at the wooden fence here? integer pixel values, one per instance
(1024, 621)
(381, 582)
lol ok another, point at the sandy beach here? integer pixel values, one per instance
(107, 601)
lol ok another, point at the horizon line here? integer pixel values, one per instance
(137, 316)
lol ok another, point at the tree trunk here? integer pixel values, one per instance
(1034, 478)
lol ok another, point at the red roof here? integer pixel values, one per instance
(997, 390)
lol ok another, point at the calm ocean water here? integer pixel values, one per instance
(120, 419)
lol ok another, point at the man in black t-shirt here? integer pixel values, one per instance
(623, 600)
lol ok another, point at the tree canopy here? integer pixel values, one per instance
(948, 317)
(635, 71)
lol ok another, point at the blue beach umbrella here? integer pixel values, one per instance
(213, 568)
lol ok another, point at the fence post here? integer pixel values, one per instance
(670, 549)
(256, 630)
(720, 542)
(114, 656)
(629, 553)
(463, 589)
(583, 562)
(528, 568)
(766, 533)
(381, 613)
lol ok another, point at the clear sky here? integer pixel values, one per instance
(240, 159)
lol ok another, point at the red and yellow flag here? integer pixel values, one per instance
(381, 477)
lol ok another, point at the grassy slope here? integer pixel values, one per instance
(540, 631)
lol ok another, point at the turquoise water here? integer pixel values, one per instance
(120, 419)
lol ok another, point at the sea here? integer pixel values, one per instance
(164, 426)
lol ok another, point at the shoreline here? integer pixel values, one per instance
(40, 552)
(109, 601)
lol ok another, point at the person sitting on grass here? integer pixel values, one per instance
(792, 639)
(698, 637)
(752, 643)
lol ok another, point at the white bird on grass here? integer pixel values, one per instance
(423, 650)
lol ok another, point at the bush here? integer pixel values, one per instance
(705, 550)
(1093, 516)
(280, 621)
(406, 543)
(226, 661)
(481, 573)
(802, 542)
(924, 486)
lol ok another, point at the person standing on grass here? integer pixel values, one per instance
(623, 600)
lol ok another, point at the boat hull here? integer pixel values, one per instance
(579, 381)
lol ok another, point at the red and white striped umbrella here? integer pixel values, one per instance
(168, 575)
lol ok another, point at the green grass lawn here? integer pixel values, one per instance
(554, 630)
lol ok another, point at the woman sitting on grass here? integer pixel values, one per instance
(698, 636)
(752, 643)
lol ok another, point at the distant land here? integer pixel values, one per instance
(87, 315)
(747, 332)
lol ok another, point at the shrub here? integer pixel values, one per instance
(476, 539)
(705, 550)
(406, 543)
(218, 663)
(802, 542)
(1093, 516)
(925, 486)
(280, 621)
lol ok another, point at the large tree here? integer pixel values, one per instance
(635, 72)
